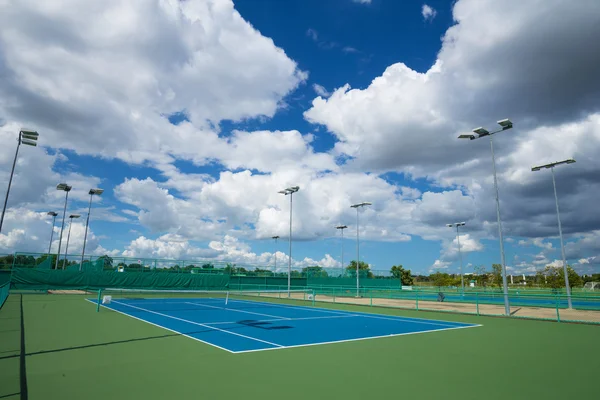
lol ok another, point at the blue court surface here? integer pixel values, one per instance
(243, 326)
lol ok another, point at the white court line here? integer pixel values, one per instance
(233, 309)
(160, 326)
(356, 340)
(361, 313)
(198, 323)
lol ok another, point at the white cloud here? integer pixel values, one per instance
(428, 12)
(320, 90)
(438, 265)
(110, 67)
(408, 122)
(228, 249)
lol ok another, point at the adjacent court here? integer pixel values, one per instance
(240, 326)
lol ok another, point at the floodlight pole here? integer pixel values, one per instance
(275, 237)
(562, 245)
(341, 228)
(481, 132)
(92, 192)
(68, 238)
(52, 231)
(30, 139)
(462, 281)
(290, 258)
(500, 236)
(291, 190)
(67, 189)
(457, 224)
(357, 206)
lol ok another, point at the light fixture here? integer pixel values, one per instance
(562, 245)
(29, 138)
(290, 190)
(482, 132)
(357, 206)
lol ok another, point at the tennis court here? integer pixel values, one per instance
(240, 326)
(55, 345)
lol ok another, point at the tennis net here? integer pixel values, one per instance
(256, 295)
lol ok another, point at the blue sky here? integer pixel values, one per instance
(192, 129)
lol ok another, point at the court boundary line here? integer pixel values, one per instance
(357, 339)
(199, 324)
(163, 327)
(360, 313)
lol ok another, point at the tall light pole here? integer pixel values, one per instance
(66, 188)
(71, 217)
(53, 214)
(505, 124)
(357, 206)
(28, 138)
(92, 192)
(341, 228)
(457, 224)
(275, 237)
(562, 245)
(291, 190)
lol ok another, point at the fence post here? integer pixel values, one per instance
(334, 294)
(557, 311)
(371, 296)
(477, 302)
(417, 299)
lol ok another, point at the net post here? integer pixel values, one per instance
(99, 300)
(557, 310)
(227, 298)
(477, 302)
(313, 296)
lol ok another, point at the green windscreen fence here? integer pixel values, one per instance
(97, 266)
(351, 282)
(36, 279)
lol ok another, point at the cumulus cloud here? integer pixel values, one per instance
(228, 249)
(407, 121)
(164, 57)
(428, 12)
(106, 89)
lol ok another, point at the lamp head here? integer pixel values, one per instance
(63, 186)
(29, 134)
(52, 213)
(505, 124)
(74, 216)
(96, 191)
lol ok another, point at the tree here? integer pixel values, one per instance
(496, 275)
(363, 267)
(555, 277)
(208, 266)
(404, 275)
(482, 277)
(314, 272)
(108, 261)
(441, 279)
